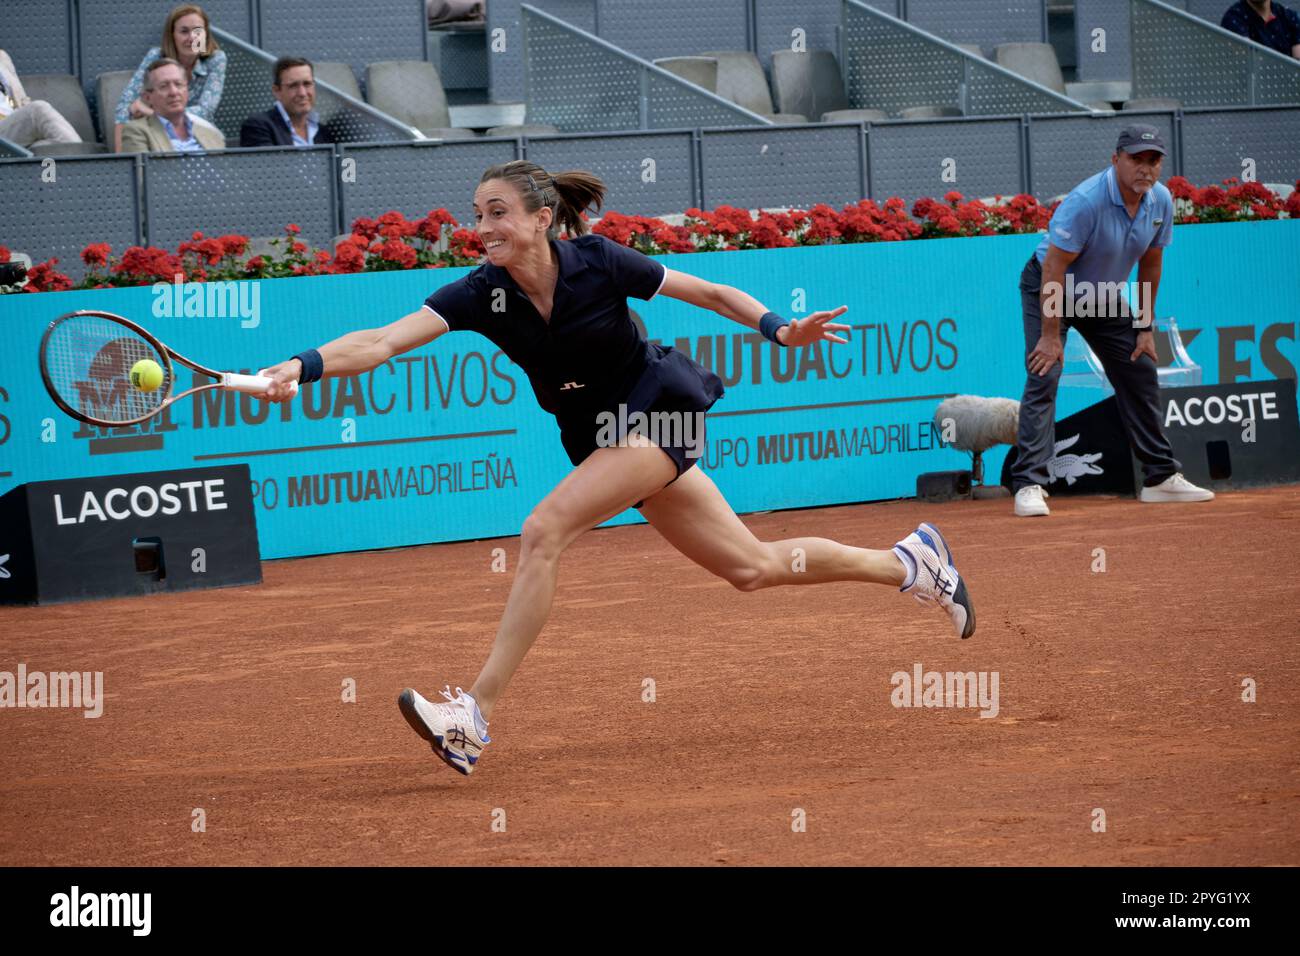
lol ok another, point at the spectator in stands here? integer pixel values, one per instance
(187, 38)
(292, 121)
(26, 121)
(1267, 23)
(454, 11)
(169, 127)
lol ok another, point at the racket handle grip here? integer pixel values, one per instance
(251, 384)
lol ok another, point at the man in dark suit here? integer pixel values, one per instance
(292, 121)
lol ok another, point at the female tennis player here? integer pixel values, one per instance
(558, 309)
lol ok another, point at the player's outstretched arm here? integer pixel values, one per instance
(732, 303)
(360, 351)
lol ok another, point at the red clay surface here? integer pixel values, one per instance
(1119, 690)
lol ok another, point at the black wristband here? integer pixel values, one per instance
(769, 325)
(313, 366)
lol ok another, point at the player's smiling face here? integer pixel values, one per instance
(505, 227)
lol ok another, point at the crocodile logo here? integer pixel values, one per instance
(1071, 467)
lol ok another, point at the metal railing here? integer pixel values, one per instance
(99, 198)
(10, 150)
(1181, 56)
(891, 65)
(579, 82)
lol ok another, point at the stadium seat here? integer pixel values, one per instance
(854, 116)
(1152, 103)
(741, 80)
(1033, 61)
(1110, 91)
(411, 91)
(700, 70)
(809, 84)
(928, 112)
(108, 90)
(339, 76)
(524, 129)
(63, 92)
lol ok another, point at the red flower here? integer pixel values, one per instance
(952, 197)
(394, 250)
(148, 265)
(255, 264)
(96, 254)
(431, 226)
(233, 245)
(292, 229)
(367, 228)
(44, 278)
(1211, 196)
(4, 254)
(299, 247)
(1181, 188)
(466, 243)
(349, 257)
(197, 236)
(1292, 203)
(211, 250)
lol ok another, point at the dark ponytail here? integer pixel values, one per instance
(568, 194)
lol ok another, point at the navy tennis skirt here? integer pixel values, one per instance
(671, 382)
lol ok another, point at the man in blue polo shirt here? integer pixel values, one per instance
(1121, 217)
(1267, 23)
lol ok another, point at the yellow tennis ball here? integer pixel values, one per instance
(146, 375)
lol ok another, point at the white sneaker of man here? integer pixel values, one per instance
(1030, 503)
(1176, 488)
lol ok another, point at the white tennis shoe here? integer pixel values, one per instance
(932, 578)
(1030, 503)
(456, 731)
(1175, 488)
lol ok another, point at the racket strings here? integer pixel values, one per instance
(89, 359)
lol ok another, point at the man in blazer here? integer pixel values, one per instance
(292, 121)
(25, 121)
(171, 128)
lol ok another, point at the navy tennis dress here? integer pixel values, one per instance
(590, 357)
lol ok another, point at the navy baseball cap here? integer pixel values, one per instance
(1139, 138)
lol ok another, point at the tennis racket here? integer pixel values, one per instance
(86, 362)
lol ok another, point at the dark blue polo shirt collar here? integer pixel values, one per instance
(571, 263)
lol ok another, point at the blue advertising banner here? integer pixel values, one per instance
(447, 442)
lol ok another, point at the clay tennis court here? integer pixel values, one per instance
(1119, 690)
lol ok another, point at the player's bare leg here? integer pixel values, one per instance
(696, 519)
(607, 483)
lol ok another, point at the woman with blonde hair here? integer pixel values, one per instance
(186, 38)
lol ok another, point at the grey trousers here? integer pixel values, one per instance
(1136, 387)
